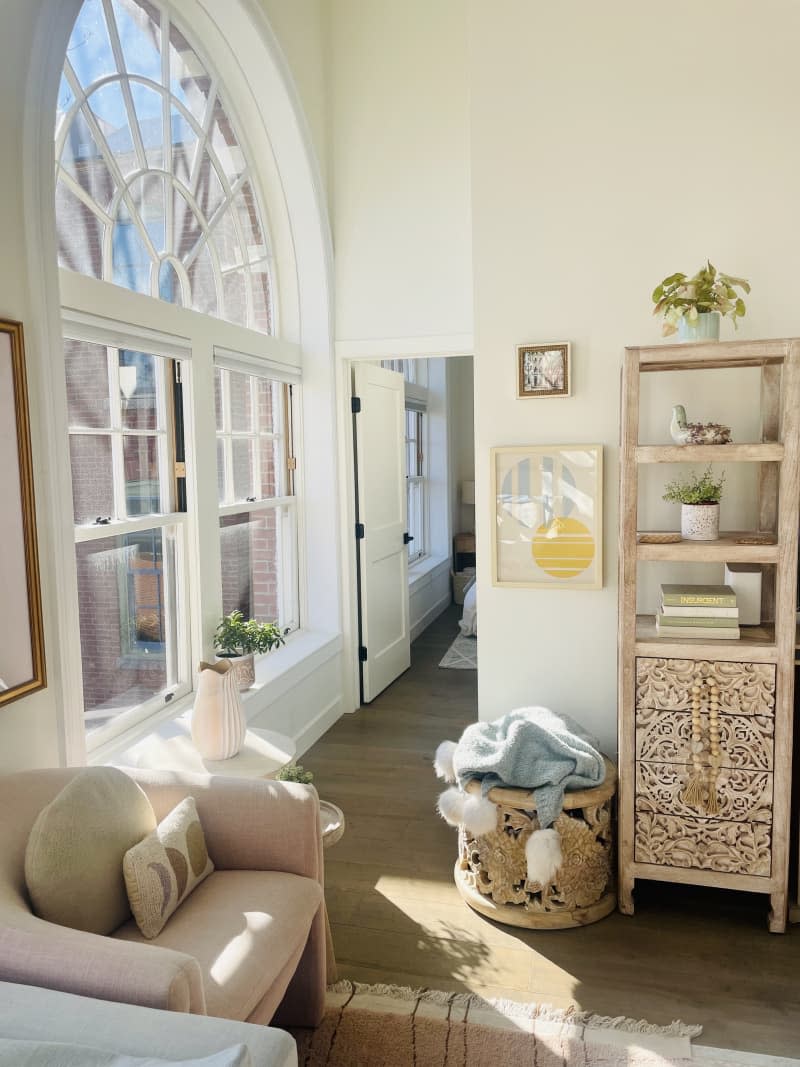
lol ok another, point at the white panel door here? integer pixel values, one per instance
(381, 501)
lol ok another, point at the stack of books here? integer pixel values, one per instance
(705, 612)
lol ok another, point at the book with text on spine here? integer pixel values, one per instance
(700, 611)
(691, 596)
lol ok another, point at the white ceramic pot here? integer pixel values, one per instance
(218, 722)
(245, 668)
(704, 328)
(700, 522)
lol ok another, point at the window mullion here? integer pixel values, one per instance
(117, 447)
(125, 88)
(256, 445)
(227, 440)
(166, 112)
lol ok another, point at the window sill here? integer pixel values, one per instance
(423, 570)
(276, 674)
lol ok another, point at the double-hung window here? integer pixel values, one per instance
(257, 504)
(415, 373)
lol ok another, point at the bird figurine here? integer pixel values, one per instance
(697, 433)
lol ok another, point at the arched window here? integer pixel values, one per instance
(153, 190)
(155, 195)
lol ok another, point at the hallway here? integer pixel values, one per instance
(697, 954)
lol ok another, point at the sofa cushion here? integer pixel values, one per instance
(162, 870)
(242, 927)
(73, 860)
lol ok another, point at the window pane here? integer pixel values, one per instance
(138, 387)
(270, 405)
(259, 566)
(218, 398)
(243, 469)
(271, 469)
(416, 547)
(92, 477)
(221, 470)
(142, 491)
(126, 588)
(88, 402)
(241, 402)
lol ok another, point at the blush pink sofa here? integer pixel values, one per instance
(249, 943)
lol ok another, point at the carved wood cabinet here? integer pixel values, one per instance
(705, 727)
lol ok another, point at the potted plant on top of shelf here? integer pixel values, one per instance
(693, 306)
(699, 496)
(238, 639)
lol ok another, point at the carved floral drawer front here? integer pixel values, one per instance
(666, 684)
(703, 844)
(666, 737)
(744, 796)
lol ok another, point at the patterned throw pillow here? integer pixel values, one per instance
(161, 871)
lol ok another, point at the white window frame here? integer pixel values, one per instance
(289, 614)
(154, 326)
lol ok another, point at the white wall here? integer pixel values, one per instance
(611, 145)
(400, 176)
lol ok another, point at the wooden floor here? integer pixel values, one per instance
(696, 954)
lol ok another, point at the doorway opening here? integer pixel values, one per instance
(414, 471)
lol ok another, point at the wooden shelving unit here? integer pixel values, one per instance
(743, 842)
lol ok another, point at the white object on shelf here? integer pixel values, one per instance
(745, 580)
(218, 722)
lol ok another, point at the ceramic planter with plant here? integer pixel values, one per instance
(239, 639)
(699, 496)
(693, 306)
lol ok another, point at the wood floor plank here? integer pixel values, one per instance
(698, 954)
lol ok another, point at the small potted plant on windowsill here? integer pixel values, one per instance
(693, 306)
(239, 639)
(699, 496)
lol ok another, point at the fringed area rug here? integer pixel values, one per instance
(462, 655)
(387, 1026)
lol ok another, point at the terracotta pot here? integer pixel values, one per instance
(218, 722)
(700, 522)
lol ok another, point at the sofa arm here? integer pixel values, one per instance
(249, 823)
(39, 953)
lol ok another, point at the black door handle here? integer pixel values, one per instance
(407, 538)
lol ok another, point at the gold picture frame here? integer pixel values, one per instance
(22, 667)
(547, 516)
(543, 370)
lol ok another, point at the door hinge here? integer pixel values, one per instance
(355, 404)
(180, 470)
(360, 533)
(291, 463)
(362, 653)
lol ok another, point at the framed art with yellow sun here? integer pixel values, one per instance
(548, 521)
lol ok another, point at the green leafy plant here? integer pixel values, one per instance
(695, 489)
(295, 773)
(680, 297)
(237, 636)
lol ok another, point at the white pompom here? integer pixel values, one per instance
(543, 853)
(443, 761)
(451, 806)
(479, 816)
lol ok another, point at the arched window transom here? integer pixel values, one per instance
(153, 191)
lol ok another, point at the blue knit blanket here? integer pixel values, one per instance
(530, 748)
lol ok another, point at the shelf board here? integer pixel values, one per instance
(704, 355)
(756, 643)
(767, 452)
(723, 550)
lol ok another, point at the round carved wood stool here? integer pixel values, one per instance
(491, 871)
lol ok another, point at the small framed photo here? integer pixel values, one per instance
(543, 370)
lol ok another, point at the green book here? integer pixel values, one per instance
(695, 621)
(692, 596)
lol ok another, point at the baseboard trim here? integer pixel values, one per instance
(430, 616)
(320, 724)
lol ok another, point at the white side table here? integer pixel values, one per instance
(262, 755)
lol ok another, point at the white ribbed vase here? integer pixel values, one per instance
(700, 522)
(218, 722)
